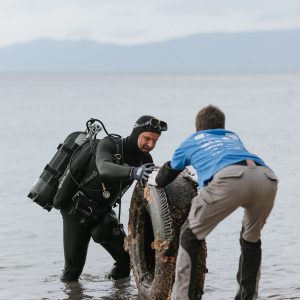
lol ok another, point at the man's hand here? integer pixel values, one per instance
(142, 173)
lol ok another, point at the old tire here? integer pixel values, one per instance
(155, 218)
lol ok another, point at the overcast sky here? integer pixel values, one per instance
(139, 21)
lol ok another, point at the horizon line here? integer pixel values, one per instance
(159, 41)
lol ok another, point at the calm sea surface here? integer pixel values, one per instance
(39, 110)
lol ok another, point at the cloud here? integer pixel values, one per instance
(139, 21)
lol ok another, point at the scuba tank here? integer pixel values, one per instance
(45, 187)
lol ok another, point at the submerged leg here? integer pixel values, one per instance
(76, 240)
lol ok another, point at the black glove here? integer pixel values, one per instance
(142, 173)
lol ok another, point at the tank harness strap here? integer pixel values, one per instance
(63, 148)
(119, 214)
(118, 156)
(56, 174)
(119, 159)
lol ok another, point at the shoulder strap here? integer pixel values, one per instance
(119, 142)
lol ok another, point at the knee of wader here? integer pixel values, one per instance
(108, 229)
(250, 246)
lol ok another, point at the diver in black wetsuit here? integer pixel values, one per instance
(93, 184)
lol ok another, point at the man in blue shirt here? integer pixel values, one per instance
(229, 177)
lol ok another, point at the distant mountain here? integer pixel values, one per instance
(248, 51)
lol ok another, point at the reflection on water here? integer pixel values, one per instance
(121, 289)
(75, 290)
(116, 290)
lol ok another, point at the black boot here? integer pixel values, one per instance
(249, 270)
(118, 271)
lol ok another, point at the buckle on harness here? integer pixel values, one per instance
(118, 158)
(82, 209)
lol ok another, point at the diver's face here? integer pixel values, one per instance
(147, 141)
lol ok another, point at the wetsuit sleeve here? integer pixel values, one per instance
(166, 175)
(106, 166)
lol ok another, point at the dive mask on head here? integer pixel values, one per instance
(154, 123)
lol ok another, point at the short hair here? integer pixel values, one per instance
(210, 117)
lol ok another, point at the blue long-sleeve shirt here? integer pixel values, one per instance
(209, 151)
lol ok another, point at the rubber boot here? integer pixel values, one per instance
(187, 285)
(249, 270)
(115, 248)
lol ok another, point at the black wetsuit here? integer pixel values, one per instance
(115, 175)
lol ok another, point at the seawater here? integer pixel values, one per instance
(39, 110)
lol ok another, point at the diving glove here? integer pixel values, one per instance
(142, 173)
